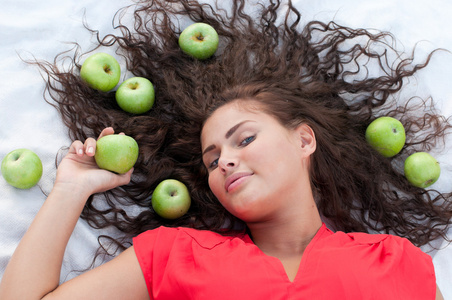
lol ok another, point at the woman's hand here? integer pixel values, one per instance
(79, 172)
(38, 259)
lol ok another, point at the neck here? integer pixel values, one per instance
(287, 235)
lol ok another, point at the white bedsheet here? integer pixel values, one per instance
(42, 28)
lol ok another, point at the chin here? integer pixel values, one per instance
(247, 210)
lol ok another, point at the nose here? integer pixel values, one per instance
(227, 164)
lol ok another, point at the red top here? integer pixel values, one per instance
(183, 263)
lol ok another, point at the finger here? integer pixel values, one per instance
(106, 131)
(90, 146)
(122, 133)
(129, 173)
(117, 180)
(124, 179)
(76, 147)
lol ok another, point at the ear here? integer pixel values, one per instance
(306, 136)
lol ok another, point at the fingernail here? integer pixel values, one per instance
(80, 151)
(90, 150)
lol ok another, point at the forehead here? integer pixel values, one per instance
(229, 115)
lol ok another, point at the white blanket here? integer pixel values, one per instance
(41, 28)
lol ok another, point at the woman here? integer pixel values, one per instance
(304, 93)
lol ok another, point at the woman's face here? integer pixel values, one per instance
(256, 166)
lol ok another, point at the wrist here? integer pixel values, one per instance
(73, 191)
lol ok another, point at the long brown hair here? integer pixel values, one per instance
(317, 73)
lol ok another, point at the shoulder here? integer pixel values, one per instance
(366, 239)
(386, 247)
(381, 266)
(167, 236)
(378, 252)
(393, 263)
(167, 255)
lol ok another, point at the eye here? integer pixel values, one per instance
(213, 164)
(247, 140)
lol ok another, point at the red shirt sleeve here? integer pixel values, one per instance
(146, 249)
(405, 269)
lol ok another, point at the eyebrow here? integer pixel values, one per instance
(228, 134)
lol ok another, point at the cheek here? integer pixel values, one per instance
(214, 183)
(279, 156)
(260, 155)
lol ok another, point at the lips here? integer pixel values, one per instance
(235, 179)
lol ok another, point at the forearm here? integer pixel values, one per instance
(34, 269)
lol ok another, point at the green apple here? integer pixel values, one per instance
(199, 40)
(101, 71)
(135, 95)
(171, 199)
(22, 168)
(422, 169)
(116, 152)
(386, 135)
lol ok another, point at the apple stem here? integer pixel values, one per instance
(133, 86)
(107, 69)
